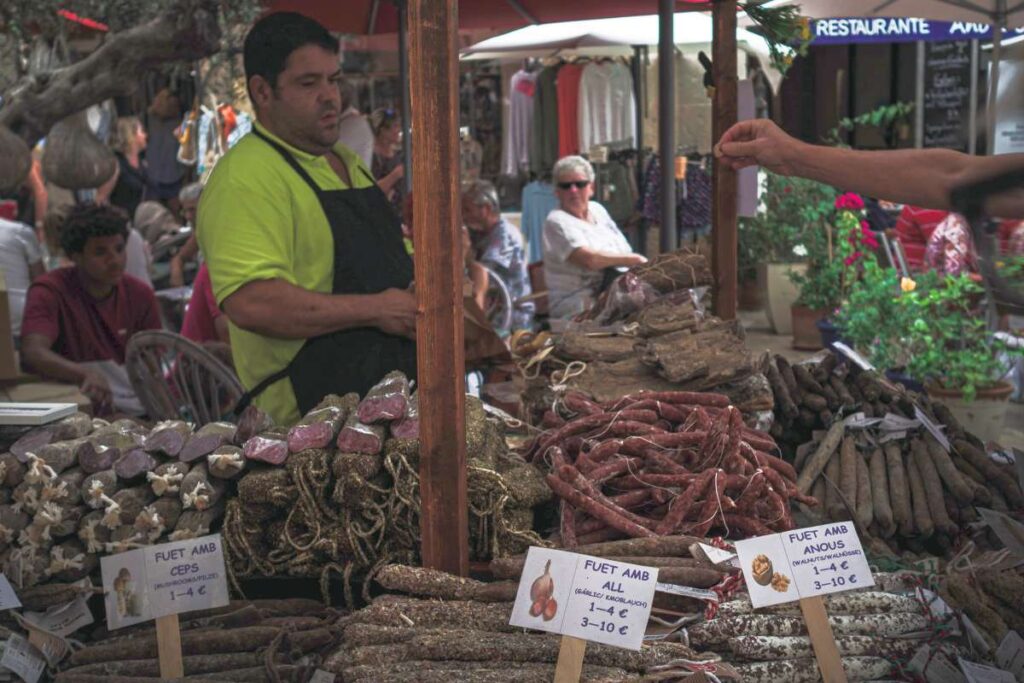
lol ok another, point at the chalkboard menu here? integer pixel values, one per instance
(947, 94)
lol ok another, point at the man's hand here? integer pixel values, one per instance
(97, 389)
(397, 313)
(177, 273)
(634, 260)
(757, 143)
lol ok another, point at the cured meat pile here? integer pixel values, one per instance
(247, 641)
(874, 630)
(810, 396)
(908, 491)
(458, 630)
(649, 331)
(651, 464)
(339, 492)
(869, 457)
(82, 487)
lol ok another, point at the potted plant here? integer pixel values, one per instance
(871, 320)
(835, 254)
(933, 327)
(770, 243)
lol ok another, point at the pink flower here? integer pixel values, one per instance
(852, 258)
(850, 201)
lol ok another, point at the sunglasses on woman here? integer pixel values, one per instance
(578, 184)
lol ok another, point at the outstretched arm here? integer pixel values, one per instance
(922, 177)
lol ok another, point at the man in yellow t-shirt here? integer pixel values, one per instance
(305, 254)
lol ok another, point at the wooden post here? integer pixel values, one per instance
(168, 645)
(723, 213)
(822, 640)
(570, 660)
(434, 78)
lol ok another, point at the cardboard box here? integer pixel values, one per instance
(8, 357)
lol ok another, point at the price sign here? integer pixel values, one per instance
(1010, 655)
(803, 563)
(124, 592)
(585, 597)
(23, 659)
(979, 673)
(932, 428)
(63, 619)
(935, 666)
(160, 580)
(185, 576)
(8, 598)
(852, 355)
(827, 559)
(717, 555)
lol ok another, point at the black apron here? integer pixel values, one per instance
(369, 257)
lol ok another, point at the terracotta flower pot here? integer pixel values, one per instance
(806, 336)
(985, 415)
(750, 296)
(779, 293)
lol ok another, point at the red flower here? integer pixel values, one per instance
(849, 260)
(867, 237)
(850, 201)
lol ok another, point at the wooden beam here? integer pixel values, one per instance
(434, 79)
(723, 212)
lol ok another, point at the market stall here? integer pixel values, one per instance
(653, 444)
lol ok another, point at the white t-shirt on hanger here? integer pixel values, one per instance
(607, 111)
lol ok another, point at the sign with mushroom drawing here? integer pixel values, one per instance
(585, 597)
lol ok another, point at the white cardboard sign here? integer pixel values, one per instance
(934, 666)
(124, 589)
(852, 355)
(979, 673)
(23, 659)
(184, 576)
(932, 428)
(803, 563)
(171, 578)
(1010, 655)
(8, 598)
(590, 598)
(63, 620)
(719, 556)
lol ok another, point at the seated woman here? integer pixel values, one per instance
(498, 245)
(580, 241)
(78, 319)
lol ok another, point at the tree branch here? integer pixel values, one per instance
(187, 30)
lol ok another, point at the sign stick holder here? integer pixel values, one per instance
(168, 643)
(826, 652)
(570, 660)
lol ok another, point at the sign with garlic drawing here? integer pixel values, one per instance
(587, 597)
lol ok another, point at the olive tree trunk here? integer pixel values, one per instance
(187, 30)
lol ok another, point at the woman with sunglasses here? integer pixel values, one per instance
(581, 241)
(388, 166)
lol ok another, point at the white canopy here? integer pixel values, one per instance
(608, 37)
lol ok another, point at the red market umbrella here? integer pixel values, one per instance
(381, 16)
